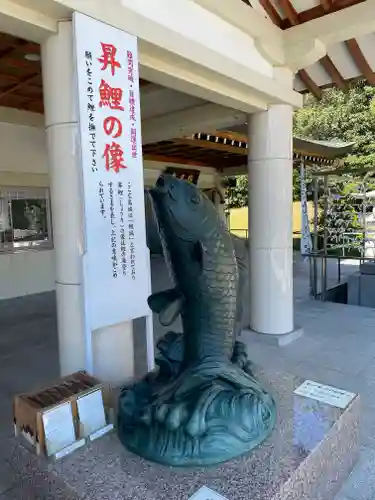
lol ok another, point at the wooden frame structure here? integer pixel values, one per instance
(345, 62)
(227, 151)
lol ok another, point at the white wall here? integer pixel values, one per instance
(23, 163)
(22, 149)
(26, 273)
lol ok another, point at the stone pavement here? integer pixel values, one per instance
(338, 348)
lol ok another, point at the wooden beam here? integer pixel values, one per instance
(197, 143)
(231, 136)
(319, 11)
(310, 84)
(333, 73)
(326, 62)
(271, 11)
(289, 11)
(18, 85)
(175, 159)
(326, 4)
(360, 60)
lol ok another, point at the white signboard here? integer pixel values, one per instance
(306, 242)
(58, 428)
(325, 394)
(205, 493)
(91, 412)
(116, 268)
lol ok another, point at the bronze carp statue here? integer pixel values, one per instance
(202, 406)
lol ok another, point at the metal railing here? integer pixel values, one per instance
(319, 271)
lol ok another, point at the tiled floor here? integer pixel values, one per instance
(338, 348)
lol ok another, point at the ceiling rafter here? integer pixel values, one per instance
(333, 73)
(18, 85)
(289, 11)
(309, 83)
(271, 11)
(210, 145)
(327, 63)
(326, 4)
(302, 74)
(360, 60)
(320, 11)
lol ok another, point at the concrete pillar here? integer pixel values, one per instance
(270, 168)
(112, 347)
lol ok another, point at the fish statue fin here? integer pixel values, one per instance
(168, 304)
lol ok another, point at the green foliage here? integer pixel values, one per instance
(237, 196)
(348, 117)
(342, 224)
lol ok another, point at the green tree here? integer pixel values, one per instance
(237, 195)
(348, 117)
(340, 116)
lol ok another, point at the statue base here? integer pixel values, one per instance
(206, 414)
(294, 462)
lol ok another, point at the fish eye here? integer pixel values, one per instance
(195, 199)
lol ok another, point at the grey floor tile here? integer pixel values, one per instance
(366, 389)
(368, 427)
(361, 483)
(328, 376)
(344, 360)
(25, 491)
(304, 348)
(368, 372)
(338, 348)
(8, 476)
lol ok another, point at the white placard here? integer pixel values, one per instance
(69, 449)
(325, 394)
(91, 413)
(306, 241)
(116, 270)
(58, 428)
(101, 432)
(205, 493)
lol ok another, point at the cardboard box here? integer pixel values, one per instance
(30, 409)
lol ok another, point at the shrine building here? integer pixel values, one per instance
(219, 81)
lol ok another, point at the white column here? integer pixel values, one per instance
(112, 347)
(270, 169)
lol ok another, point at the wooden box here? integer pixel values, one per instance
(30, 409)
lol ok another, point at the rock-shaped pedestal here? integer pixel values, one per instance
(309, 455)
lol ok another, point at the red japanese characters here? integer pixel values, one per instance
(108, 57)
(111, 97)
(114, 157)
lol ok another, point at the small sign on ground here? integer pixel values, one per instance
(91, 412)
(205, 493)
(325, 394)
(59, 428)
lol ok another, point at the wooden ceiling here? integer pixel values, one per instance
(21, 82)
(202, 150)
(288, 13)
(229, 150)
